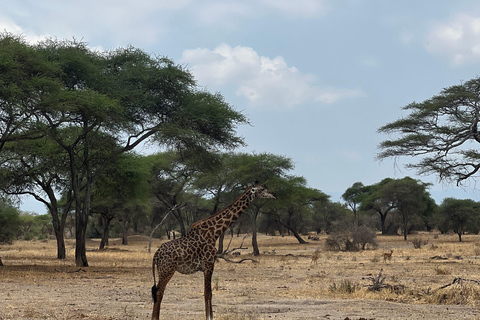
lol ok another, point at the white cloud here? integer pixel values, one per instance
(8, 25)
(458, 40)
(263, 81)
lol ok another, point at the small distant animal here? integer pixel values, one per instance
(387, 255)
(235, 253)
(315, 256)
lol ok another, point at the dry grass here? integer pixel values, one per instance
(118, 278)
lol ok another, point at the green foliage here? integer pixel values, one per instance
(35, 226)
(9, 222)
(460, 216)
(407, 198)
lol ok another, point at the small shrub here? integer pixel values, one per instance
(442, 271)
(345, 286)
(419, 242)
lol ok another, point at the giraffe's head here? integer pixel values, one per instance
(261, 191)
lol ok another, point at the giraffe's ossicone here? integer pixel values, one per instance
(196, 250)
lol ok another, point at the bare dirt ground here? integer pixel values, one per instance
(284, 284)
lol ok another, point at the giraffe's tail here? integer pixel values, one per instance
(154, 288)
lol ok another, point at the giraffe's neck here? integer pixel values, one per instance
(222, 220)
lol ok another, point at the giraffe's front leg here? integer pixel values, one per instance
(208, 272)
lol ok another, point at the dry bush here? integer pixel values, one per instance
(352, 238)
(419, 242)
(442, 270)
(461, 292)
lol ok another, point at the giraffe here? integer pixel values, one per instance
(196, 251)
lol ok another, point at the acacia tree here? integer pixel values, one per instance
(408, 196)
(460, 215)
(352, 197)
(441, 133)
(376, 199)
(295, 201)
(110, 102)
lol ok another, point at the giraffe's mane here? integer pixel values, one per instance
(200, 222)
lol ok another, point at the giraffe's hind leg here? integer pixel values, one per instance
(208, 271)
(158, 291)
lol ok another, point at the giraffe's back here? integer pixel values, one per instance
(186, 255)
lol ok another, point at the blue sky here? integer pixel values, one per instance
(316, 78)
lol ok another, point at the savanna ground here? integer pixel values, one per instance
(284, 283)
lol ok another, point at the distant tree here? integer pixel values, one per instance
(295, 201)
(352, 196)
(461, 215)
(123, 184)
(33, 226)
(440, 133)
(376, 199)
(326, 213)
(9, 222)
(408, 195)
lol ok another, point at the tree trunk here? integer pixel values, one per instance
(58, 223)
(293, 230)
(58, 229)
(459, 237)
(125, 233)
(297, 235)
(82, 211)
(382, 221)
(61, 254)
(80, 237)
(106, 225)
